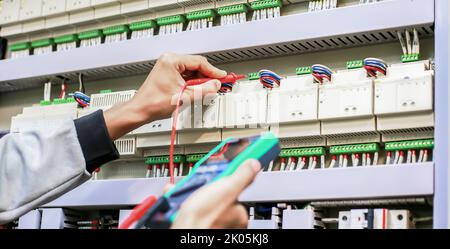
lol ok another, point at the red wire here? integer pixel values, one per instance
(138, 212)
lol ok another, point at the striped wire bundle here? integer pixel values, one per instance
(82, 99)
(269, 79)
(375, 67)
(226, 87)
(321, 73)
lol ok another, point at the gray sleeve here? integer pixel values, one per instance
(37, 167)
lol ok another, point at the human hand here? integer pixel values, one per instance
(156, 97)
(215, 205)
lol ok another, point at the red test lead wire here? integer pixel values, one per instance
(230, 78)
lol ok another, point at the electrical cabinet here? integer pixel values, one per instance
(51, 7)
(30, 9)
(246, 105)
(10, 11)
(295, 101)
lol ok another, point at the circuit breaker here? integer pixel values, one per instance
(213, 112)
(77, 4)
(51, 7)
(246, 105)
(10, 11)
(30, 9)
(349, 95)
(407, 88)
(295, 100)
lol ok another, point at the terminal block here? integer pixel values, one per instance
(266, 9)
(303, 70)
(43, 46)
(233, 14)
(410, 58)
(91, 38)
(297, 159)
(415, 151)
(20, 50)
(355, 64)
(66, 42)
(201, 19)
(158, 166)
(379, 218)
(171, 24)
(116, 33)
(355, 155)
(142, 29)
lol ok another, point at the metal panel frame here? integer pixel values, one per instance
(442, 104)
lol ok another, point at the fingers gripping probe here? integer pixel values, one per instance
(230, 78)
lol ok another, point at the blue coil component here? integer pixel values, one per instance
(269, 79)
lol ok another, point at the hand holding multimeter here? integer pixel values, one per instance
(223, 161)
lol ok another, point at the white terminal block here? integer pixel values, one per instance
(10, 11)
(246, 105)
(346, 104)
(404, 98)
(30, 9)
(400, 219)
(344, 220)
(300, 219)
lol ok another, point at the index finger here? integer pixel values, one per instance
(200, 64)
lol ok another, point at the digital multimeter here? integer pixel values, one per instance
(222, 161)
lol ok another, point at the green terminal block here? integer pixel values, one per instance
(114, 30)
(42, 43)
(45, 103)
(201, 14)
(407, 145)
(70, 100)
(316, 151)
(232, 9)
(90, 34)
(194, 158)
(303, 70)
(410, 58)
(149, 24)
(106, 91)
(354, 148)
(355, 64)
(265, 4)
(164, 159)
(253, 76)
(59, 101)
(66, 39)
(168, 20)
(19, 46)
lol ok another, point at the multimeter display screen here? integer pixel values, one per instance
(230, 150)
